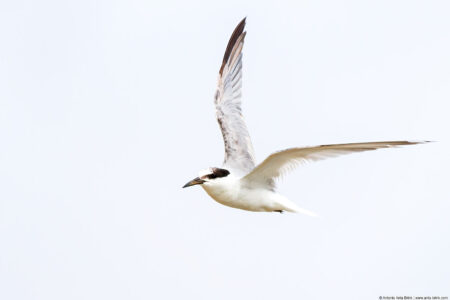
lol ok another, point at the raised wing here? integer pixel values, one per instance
(238, 147)
(283, 161)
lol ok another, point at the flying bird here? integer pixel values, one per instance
(240, 183)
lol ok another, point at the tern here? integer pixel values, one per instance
(240, 183)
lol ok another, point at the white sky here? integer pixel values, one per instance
(106, 110)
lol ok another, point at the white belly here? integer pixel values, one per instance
(247, 199)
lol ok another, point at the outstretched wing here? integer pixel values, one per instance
(238, 146)
(281, 162)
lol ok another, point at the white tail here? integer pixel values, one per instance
(290, 206)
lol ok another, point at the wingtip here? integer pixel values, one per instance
(238, 31)
(421, 142)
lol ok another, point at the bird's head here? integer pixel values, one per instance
(207, 176)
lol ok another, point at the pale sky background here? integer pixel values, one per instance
(106, 110)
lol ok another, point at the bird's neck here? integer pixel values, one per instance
(225, 189)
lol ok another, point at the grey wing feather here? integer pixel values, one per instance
(283, 161)
(239, 155)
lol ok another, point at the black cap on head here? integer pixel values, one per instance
(218, 172)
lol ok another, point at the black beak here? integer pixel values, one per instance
(194, 181)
